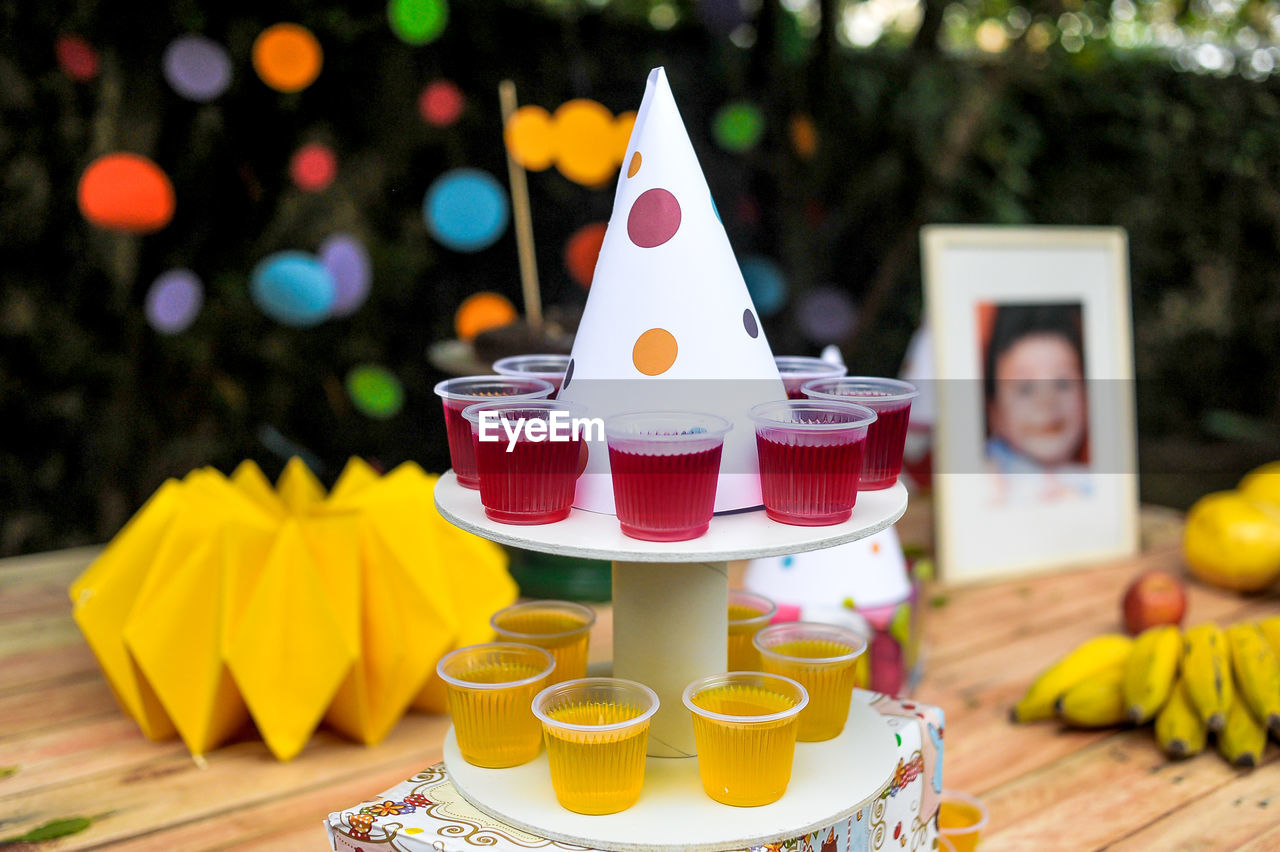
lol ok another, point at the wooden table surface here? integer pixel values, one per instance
(67, 751)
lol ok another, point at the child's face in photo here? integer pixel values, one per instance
(1039, 403)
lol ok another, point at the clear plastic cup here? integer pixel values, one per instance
(549, 368)
(532, 480)
(744, 726)
(563, 628)
(597, 733)
(811, 458)
(490, 690)
(748, 614)
(457, 394)
(891, 400)
(961, 819)
(822, 658)
(665, 466)
(795, 370)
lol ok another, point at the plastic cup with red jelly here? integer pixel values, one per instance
(457, 394)
(891, 400)
(527, 453)
(665, 466)
(549, 368)
(795, 370)
(811, 454)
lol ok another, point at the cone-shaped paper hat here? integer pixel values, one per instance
(669, 323)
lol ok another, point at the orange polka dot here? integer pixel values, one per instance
(529, 138)
(635, 165)
(481, 312)
(654, 352)
(287, 57)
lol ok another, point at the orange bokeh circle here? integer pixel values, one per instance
(126, 192)
(585, 142)
(287, 57)
(529, 138)
(481, 312)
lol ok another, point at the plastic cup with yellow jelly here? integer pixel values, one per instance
(491, 689)
(745, 726)
(562, 627)
(823, 659)
(961, 818)
(597, 733)
(748, 614)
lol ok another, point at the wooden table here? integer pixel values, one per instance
(68, 751)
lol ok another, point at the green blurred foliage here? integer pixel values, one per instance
(99, 409)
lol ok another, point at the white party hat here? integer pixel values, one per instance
(669, 324)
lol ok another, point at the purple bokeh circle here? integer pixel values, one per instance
(174, 301)
(197, 68)
(348, 262)
(826, 315)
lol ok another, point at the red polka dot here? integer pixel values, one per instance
(654, 218)
(313, 167)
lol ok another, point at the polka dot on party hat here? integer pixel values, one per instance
(293, 288)
(633, 167)
(313, 166)
(585, 142)
(287, 57)
(126, 192)
(375, 391)
(197, 68)
(348, 264)
(174, 301)
(750, 325)
(441, 103)
(654, 218)
(418, 21)
(826, 315)
(529, 138)
(738, 126)
(466, 209)
(76, 57)
(582, 251)
(654, 351)
(481, 312)
(765, 283)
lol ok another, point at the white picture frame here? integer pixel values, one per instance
(994, 297)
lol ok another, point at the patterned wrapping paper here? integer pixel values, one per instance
(427, 814)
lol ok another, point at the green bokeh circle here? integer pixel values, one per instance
(375, 391)
(418, 21)
(738, 126)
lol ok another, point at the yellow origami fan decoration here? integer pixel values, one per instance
(224, 599)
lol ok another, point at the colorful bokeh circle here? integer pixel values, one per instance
(197, 68)
(418, 21)
(582, 251)
(466, 210)
(738, 126)
(293, 288)
(375, 391)
(481, 312)
(174, 301)
(287, 57)
(348, 263)
(826, 315)
(313, 166)
(441, 103)
(765, 283)
(126, 192)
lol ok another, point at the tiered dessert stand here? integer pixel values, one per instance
(670, 623)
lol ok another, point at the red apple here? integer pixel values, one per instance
(1155, 597)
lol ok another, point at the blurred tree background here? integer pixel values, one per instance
(857, 121)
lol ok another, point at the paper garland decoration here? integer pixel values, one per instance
(224, 600)
(826, 315)
(668, 302)
(76, 57)
(287, 57)
(197, 68)
(313, 166)
(582, 251)
(174, 301)
(466, 210)
(418, 21)
(345, 258)
(441, 103)
(481, 312)
(583, 140)
(293, 288)
(126, 192)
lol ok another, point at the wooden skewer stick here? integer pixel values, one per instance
(522, 214)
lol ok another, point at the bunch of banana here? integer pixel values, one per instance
(1206, 681)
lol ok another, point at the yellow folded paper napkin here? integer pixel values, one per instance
(225, 599)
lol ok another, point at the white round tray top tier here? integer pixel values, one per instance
(670, 599)
(829, 781)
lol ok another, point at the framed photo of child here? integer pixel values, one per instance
(1035, 446)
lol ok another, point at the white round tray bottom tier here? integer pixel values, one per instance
(829, 782)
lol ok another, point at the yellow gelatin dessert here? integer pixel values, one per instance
(562, 627)
(491, 689)
(748, 613)
(597, 733)
(823, 659)
(745, 725)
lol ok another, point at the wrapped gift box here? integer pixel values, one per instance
(427, 814)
